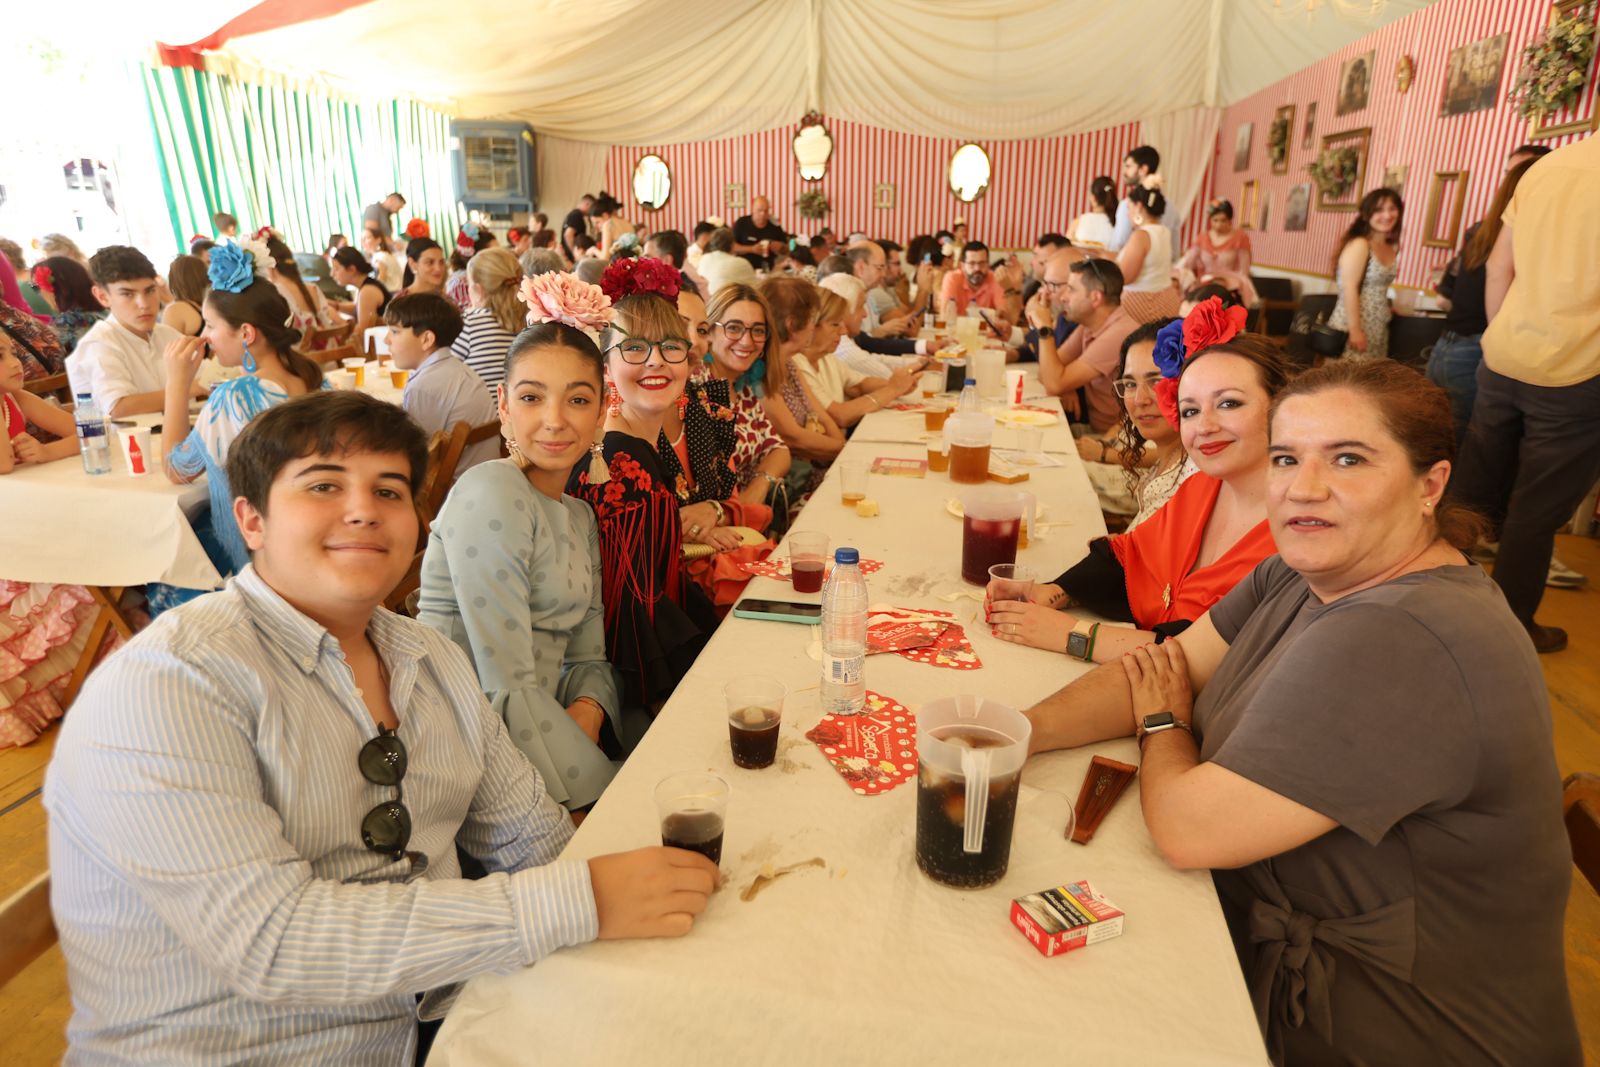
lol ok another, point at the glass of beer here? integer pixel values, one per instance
(852, 483)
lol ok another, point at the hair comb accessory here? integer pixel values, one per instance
(559, 297)
(626, 277)
(235, 264)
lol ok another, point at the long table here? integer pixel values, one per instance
(866, 960)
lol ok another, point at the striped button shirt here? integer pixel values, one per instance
(214, 898)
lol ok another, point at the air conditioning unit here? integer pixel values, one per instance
(494, 167)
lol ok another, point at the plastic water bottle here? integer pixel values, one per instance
(969, 396)
(92, 439)
(844, 636)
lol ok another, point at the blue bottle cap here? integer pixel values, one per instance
(846, 555)
(85, 396)
(972, 381)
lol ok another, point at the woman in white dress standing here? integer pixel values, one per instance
(1148, 291)
(1366, 267)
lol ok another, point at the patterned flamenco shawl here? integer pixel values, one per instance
(640, 538)
(1294, 965)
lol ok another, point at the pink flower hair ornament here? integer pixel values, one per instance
(558, 297)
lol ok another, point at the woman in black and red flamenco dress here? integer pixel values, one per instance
(656, 619)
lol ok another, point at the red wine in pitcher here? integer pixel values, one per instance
(984, 543)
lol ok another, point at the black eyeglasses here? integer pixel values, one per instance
(737, 329)
(387, 827)
(637, 349)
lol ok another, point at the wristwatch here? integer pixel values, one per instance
(1160, 722)
(1080, 642)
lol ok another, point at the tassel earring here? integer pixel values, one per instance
(249, 365)
(599, 472)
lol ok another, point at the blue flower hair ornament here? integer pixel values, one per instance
(234, 265)
(1169, 352)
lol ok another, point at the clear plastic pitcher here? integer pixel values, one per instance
(989, 367)
(969, 435)
(991, 529)
(970, 752)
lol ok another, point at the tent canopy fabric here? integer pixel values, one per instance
(652, 71)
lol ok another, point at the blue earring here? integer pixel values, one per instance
(249, 361)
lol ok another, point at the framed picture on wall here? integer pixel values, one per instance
(1472, 76)
(1394, 177)
(1279, 137)
(1266, 211)
(733, 194)
(1310, 127)
(1249, 204)
(1355, 83)
(1344, 163)
(1297, 208)
(883, 196)
(1446, 198)
(1572, 118)
(1241, 146)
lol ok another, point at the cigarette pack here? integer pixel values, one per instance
(1059, 920)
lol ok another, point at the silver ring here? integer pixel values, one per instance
(694, 531)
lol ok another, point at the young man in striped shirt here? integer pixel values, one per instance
(255, 806)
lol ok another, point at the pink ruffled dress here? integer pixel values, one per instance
(43, 629)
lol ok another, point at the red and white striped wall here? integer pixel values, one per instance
(1037, 185)
(1407, 130)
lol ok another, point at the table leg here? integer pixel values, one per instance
(108, 616)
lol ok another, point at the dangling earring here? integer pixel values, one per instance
(683, 405)
(613, 402)
(249, 365)
(512, 449)
(599, 471)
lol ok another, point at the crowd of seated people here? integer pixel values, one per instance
(1281, 540)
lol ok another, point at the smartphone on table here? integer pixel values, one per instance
(779, 611)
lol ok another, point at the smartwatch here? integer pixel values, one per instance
(1080, 642)
(1160, 722)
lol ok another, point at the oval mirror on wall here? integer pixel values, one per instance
(970, 172)
(813, 147)
(652, 181)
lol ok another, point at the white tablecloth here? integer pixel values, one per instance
(869, 961)
(62, 525)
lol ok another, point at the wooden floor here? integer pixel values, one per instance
(34, 1007)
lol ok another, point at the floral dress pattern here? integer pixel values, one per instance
(1375, 282)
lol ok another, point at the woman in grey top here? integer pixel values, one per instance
(512, 569)
(1366, 761)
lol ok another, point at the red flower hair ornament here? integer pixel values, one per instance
(630, 275)
(1209, 323)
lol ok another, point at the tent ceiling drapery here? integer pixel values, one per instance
(653, 71)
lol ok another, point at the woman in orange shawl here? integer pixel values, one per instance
(1170, 569)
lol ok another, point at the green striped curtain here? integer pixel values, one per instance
(300, 159)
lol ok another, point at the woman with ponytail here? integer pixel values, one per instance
(1094, 229)
(1148, 291)
(494, 314)
(656, 619)
(309, 307)
(246, 326)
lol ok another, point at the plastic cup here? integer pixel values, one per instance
(938, 455)
(1011, 581)
(138, 454)
(692, 808)
(1030, 440)
(852, 484)
(397, 377)
(342, 379)
(1016, 383)
(933, 421)
(357, 367)
(755, 710)
(808, 561)
(931, 382)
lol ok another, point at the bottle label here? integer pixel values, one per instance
(843, 670)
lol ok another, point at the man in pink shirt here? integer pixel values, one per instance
(1089, 293)
(974, 285)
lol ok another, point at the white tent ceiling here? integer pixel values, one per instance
(644, 71)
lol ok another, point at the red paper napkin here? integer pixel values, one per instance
(778, 567)
(936, 642)
(874, 751)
